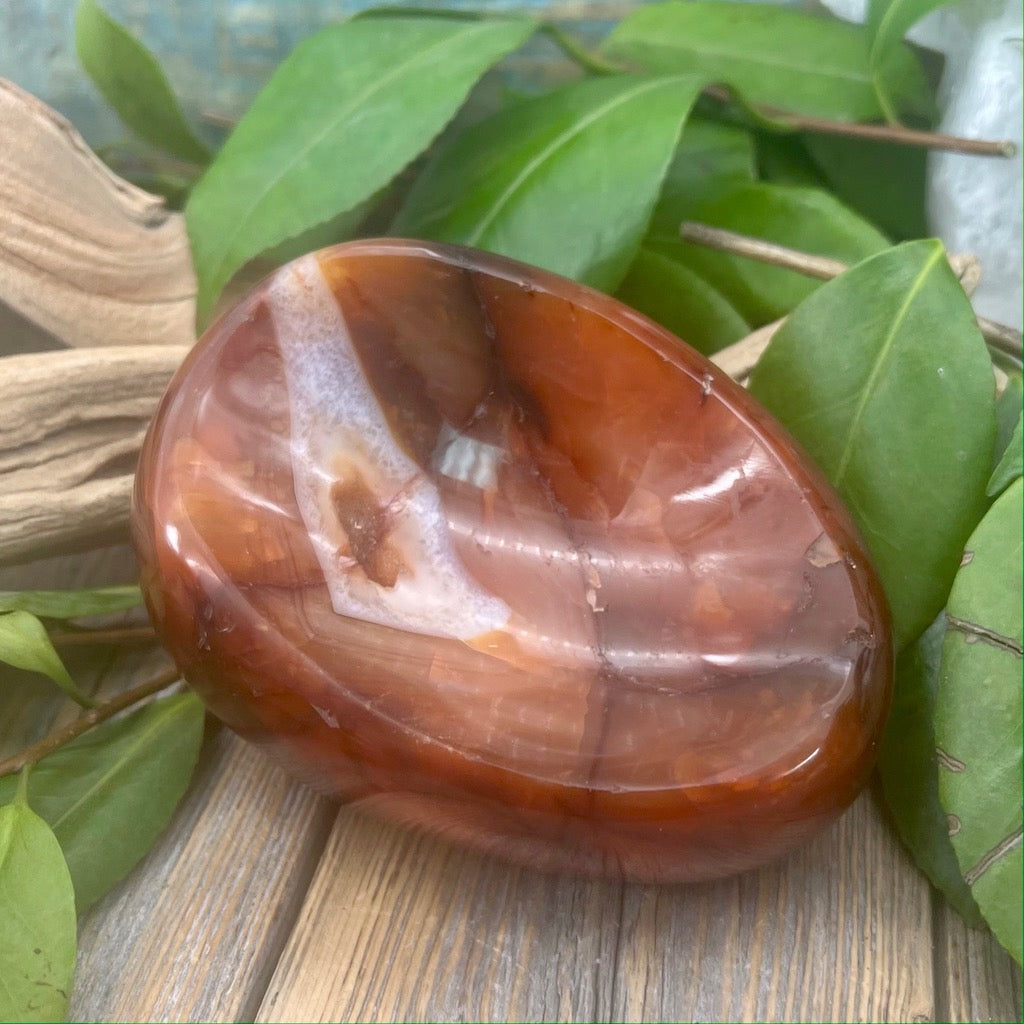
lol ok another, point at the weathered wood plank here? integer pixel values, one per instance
(975, 979)
(197, 928)
(840, 930)
(400, 927)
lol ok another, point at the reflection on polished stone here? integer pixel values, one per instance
(491, 553)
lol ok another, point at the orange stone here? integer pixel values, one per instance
(492, 554)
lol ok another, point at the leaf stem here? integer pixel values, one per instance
(127, 634)
(21, 793)
(100, 713)
(574, 50)
(877, 132)
(1000, 337)
(820, 267)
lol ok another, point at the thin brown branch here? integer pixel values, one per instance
(218, 119)
(85, 637)
(876, 132)
(59, 737)
(1000, 337)
(820, 267)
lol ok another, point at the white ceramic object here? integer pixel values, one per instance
(975, 203)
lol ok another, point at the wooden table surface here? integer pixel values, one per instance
(263, 901)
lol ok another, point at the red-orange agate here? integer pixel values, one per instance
(489, 553)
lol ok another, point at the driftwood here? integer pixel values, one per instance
(71, 426)
(84, 254)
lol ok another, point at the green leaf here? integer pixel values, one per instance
(344, 113)
(784, 160)
(109, 793)
(133, 83)
(888, 21)
(338, 229)
(771, 55)
(37, 919)
(566, 182)
(884, 378)
(882, 181)
(71, 604)
(910, 771)
(978, 717)
(1009, 467)
(710, 160)
(681, 301)
(24, 643)
(887, 24)
(1008, 410)
(803, 218)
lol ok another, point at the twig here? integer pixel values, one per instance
(59, 737)
(805, 263)
(877, 132)
(999, 337)
(904, 136)
(575, 51)
(127, 634)
(218, 119)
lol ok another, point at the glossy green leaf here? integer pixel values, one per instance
(784, 160)
(887, 24)
(1008, 411)
(711, 159)
(978, 717)
(910, 772)
(882, 181)
(566, 182)
(803, 218)
(772, 55)
(344, 113)
(109, 793)
(24, 643)
(884, 378)
(338, 229)
(682, 301)
(37, 919)
(1009, 466)
(71, 604)
(133, 83)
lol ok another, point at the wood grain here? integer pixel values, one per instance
(72, 426)
(975, 978)
(400, 927)
(197, 931)
(83, 253)
(840, 930)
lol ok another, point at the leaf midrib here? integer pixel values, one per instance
(158, 723)
(761, 61)
(344, 113)
(559, 142)
(876, 369)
